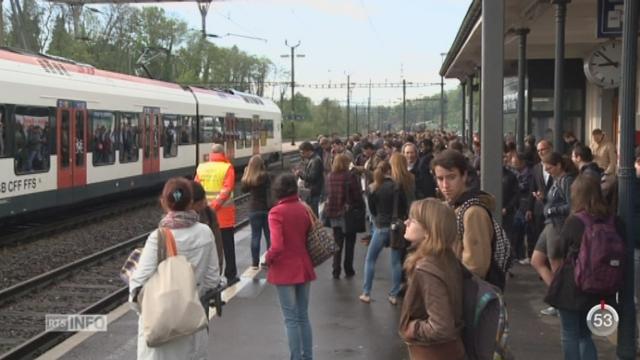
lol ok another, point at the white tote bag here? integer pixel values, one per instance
(171, 307)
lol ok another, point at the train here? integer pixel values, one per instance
(70, 133)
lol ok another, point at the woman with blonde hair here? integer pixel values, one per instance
(401, 175)
(383, 192)
(256, 180)
(343, 189)
(431, 319)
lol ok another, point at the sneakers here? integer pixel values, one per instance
(524, 261)
(550, 311)
(365, 298)
(254, 267)
(393, 300)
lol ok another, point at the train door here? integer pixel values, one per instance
(255, 134)
(151, 140)
(71, 135)
(230, 135)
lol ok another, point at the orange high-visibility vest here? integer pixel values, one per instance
(213, 176)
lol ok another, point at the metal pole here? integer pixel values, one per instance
(293, 90)
(379, 118)
(480, 95)
(463, 84)
(492, 91)
(348, 105)
(404, 105)
(558, 84)
(471, 90)
(356, 118)
(627, 193)
(522, 73)
(1, 23)
(441, 103)
(368, 109)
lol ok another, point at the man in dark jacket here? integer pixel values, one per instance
(583, 158)
(312, 175)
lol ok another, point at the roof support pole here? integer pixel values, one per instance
(471, 90)
(558, 84)
(627, 191)
(492, 86)
(522, 74)
(463, 84)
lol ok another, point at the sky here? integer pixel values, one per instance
(377, 40)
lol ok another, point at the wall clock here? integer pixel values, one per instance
(602, 66)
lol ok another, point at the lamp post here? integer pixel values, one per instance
(293, 87)
(442, 95)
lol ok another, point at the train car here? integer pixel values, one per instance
(71, 133)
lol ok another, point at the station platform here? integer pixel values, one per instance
(251, 326)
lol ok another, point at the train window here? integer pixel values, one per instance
(241, 133)
(103, 137)
(129, 137)
(186, 129)
(31, 143)
(3, 132)
(267, 127)
(211, 129)
(171, 125)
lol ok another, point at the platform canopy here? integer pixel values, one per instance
(539, 17)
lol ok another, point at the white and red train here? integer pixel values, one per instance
(70, 132)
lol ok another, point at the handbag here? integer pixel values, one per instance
(171, 306)
(396, 232)
(320, 243)
(353, 215)
(130, 265)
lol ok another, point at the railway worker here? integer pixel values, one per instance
(195, 242)
(218, 179)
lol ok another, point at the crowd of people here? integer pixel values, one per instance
(422, 199)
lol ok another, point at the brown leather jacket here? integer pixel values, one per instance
(434, 300)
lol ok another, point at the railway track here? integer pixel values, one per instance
(89, 285)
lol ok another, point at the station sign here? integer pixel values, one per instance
(610, 15)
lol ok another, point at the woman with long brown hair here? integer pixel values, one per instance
(401, 175)
(256, 180)
(382, 195)
(431, 318)
(587, 204)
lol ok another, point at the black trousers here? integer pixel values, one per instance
(348, 242)
(229, 246)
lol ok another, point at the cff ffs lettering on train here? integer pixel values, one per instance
(71, 133)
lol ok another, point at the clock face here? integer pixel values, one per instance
(602, 67)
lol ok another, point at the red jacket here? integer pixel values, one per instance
(288, 259)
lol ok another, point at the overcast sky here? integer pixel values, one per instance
(377, 40)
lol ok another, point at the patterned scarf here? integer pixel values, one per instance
(179, 219)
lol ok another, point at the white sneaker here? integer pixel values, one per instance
(550, 311)
(524, 261)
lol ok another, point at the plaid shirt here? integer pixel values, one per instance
(336, 195)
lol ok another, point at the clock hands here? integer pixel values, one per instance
(609, 63)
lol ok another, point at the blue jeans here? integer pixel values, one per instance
(259, 225)
(294, 301)
(379, 239)
(576, 337)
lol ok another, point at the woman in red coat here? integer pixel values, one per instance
(290, 267)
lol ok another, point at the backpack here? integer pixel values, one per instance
(599, 266)
(501, 257)
(486, 321)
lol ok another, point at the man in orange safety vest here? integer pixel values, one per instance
(218, 179)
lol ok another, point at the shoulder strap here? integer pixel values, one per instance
(166, 244)
(396, 195)
(586, 219)
(347, 189)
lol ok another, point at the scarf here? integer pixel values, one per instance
(179, 219)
